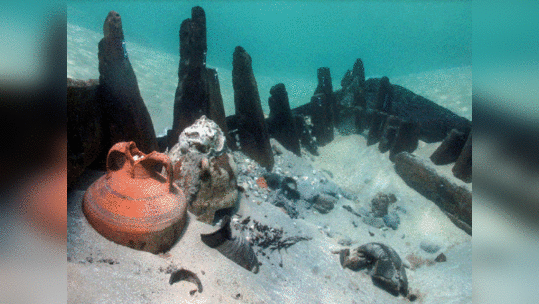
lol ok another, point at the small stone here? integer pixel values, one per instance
(429, 246)
(346, 241)
(375, 222)
(392, 220)
(441, 258)
(323, 203)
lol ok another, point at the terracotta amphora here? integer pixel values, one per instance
(133, 204)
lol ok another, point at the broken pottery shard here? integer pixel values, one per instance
(385, 266)
(455, 201)
(185, 275)
(203, 169)
(237, 249)
(463, 167)
(450, 148)
(281, 123)
(123, 109)
(252, 129)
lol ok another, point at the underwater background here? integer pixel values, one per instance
(287, 41)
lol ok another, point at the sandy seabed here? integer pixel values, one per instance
(100, 271)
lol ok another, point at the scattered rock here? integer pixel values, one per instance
(375, 222)
(441, 258)
(324, 203)
(381, 202)
(392, 220)
(346, 241)
(429, 246)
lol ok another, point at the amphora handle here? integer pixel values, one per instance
(126, 156)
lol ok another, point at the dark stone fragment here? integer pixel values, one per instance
(450, 148)
(392, 220)
(441, 258)
(407, 139)
(375, 132)
(389, 134)
(126, 115)
(376, 222)
(463, 167)
(453, 200)
(381, 202)
(84, 127)
(281, 123)
(252, 129)
(324, 203)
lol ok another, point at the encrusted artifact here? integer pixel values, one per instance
(204, 170)
(384, 264)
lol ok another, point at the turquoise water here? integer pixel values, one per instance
(293, 38)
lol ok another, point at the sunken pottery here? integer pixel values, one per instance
(132, 204)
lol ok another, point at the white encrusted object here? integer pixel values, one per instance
(203, 136)
(204, 169)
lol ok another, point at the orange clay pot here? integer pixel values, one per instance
(134, 205)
